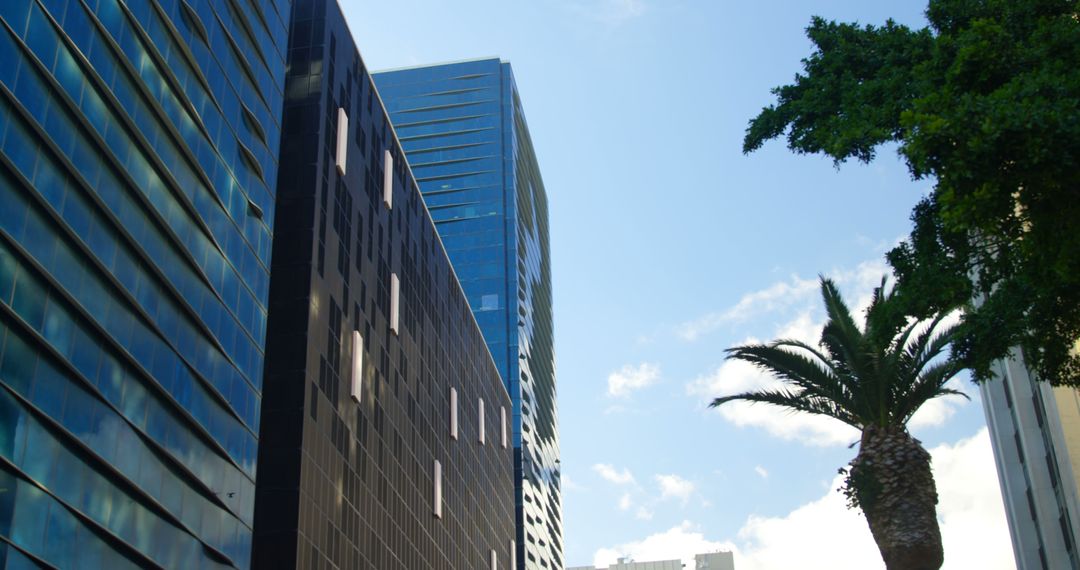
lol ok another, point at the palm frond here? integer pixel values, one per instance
(898, 349)
(877, 375)
(841, 337)
(845, 351)
(930, 385)
(812, 374)
(931, 344)
(792, 400)
(899, 360)
(884, 317)
(840, 373)
(779, 358)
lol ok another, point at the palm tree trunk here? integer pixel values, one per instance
(895, 489)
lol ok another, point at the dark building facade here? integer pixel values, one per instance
(138, 156)
(385, 440)
(464, 133)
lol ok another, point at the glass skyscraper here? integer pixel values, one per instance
(464, 133)
(386, 433)
(138, 156)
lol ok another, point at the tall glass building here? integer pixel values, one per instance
(464, 133)
(386, 436)
(138, 155)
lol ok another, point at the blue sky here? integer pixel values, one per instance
(669, 245)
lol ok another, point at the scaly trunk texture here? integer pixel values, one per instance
(896, 491)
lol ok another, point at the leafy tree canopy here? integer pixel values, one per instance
(985, 101)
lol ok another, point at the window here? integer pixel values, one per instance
(437, 476)
(388, 179)
(502, 422)
(357, 366)
(481, 437)
(253, 162)
(253, 123)
(453, 413)
(255, 209)
(395, 302)
(342, 139)
(191, 17)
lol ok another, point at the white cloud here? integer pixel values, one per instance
(629, 379)
(736, 376)
(974, 528)
(681, 542)
(861, 280)
(673, 486)
(825, 535)
(643, 514)
(807, 537)
(796, 293)
(625, 502)
(802, 328)
(775, 297)
(612, 475)
(761, 471)
(935, 412)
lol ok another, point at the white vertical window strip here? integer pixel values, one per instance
(502, 422)
(357, 366)
(494, 560)
(395, 302)
(388, 179)
(513, 555)
(481, 436)
(437, 476)
(453, 413)
(342, 139)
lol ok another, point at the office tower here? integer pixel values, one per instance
(137, 168)
(465, 136)
(385, 441)
(1035, 433)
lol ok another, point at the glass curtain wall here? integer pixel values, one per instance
(466, 139)
(138, 154)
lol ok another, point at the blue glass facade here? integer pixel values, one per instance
(464, 133)
(138, 155)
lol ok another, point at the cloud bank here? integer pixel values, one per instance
(736, 376)
(825, 535)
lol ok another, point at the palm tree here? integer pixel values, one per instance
(874, 380)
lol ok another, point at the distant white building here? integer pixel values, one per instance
(715, 561)
(709, 561)
(627, 564)
(1035, 431)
